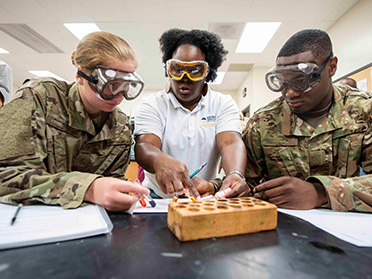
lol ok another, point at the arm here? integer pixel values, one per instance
(171, 175)
(24, 175)
(234, 158)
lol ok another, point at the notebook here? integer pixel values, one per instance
(38, 224)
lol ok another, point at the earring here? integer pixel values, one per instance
(168, 86)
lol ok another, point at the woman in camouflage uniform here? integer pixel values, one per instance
(68, 143)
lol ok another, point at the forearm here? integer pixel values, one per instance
(234, 157)
(147, 155)
(350, 194)
(36, 185)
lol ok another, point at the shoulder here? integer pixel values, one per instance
(354, 98)
(44, 87)
(273, 108)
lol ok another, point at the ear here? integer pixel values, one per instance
(333, 66)
(78, 78)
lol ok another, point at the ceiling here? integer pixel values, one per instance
(142, 22)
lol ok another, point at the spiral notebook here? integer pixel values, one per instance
(38, 224)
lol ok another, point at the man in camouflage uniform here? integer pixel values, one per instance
(52, 150)
(305, 149)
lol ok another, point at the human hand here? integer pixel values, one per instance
(239, 188)
(292, 193)
(204, 187)
(173, 176)
(112, 193)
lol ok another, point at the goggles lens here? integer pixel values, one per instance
(300, 77)
(109, 83)
(194, 70)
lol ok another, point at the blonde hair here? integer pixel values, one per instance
(99, 48)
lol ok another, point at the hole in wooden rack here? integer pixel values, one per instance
(260, 203)
(209, 208)
(233, 202)
(234, 199)
(222, 201)
(194, 205)
(235, 206)
(193, 209)
(180, 206)
(248, 204)
(222, 207)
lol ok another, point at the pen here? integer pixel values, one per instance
(198, 170)
(175, 197)
(16, 213)
(148, 198)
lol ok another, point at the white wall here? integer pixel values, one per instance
(352, 38)
(258, 95)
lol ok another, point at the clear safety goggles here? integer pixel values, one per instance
(194, 70)
(300, 77)
(109, 83)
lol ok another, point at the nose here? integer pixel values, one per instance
(119, 98)
(291, 93)
(185, 77)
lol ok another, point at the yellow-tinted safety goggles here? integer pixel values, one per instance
(194, 70)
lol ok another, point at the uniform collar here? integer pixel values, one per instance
(79, 118)
(338, 118)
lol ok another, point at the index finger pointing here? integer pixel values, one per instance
(268, 185)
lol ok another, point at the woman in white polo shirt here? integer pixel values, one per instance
(179, 128)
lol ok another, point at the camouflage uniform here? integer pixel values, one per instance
(50, 151)
(279, 143)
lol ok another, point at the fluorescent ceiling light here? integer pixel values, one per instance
(256, 36)
(46, 74)
(218, 80)
(81, 29)
(3, 50)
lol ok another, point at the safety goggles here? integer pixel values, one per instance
(194, 70)
(109, 83)
(300, 77)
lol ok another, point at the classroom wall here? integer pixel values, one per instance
(258, 95)
(352, 38)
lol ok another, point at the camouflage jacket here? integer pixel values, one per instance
(279, 143)
(50, 151)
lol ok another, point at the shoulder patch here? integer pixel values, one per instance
(15, 129)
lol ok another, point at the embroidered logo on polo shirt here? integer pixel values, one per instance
(208, 121)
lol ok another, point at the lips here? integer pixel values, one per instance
(294, 103)
(184, 90)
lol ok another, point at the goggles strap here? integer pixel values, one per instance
(88, 78)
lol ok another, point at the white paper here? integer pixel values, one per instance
(36, 224)
(353, 227)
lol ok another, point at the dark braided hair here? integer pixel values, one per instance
(210, 44)
(314, 40)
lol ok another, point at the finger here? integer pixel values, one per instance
(178, 187)
(272, 193)
(192, 189)
(269, 185)
(126, 186)
(279, 200)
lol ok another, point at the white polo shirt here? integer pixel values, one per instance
(188, 136)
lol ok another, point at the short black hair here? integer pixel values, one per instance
(209, 43)
(314, 40)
